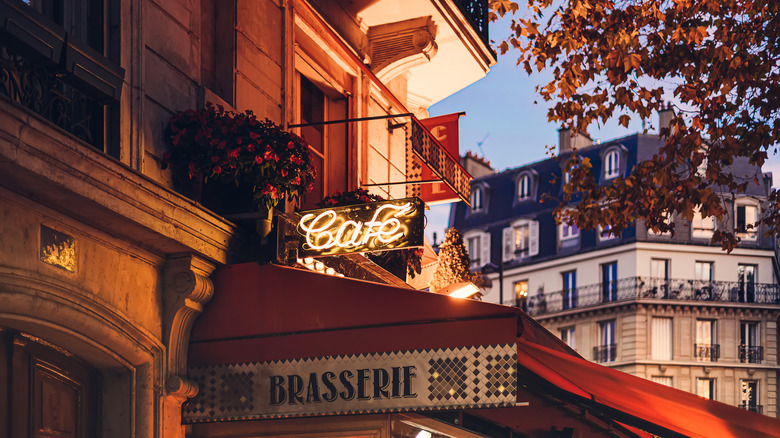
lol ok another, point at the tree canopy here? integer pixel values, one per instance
(718, 60)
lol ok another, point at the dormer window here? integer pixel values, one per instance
(524, 187)
(613, 161)
(702, 227)
(605, 233)
(745, 219)
(525, 184)
(477, 199)
(612, 164)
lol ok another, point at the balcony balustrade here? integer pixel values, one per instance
(751, 354)
(477, 12)
(707, 352)
(754, 408)
(605, 353)
(641, 289)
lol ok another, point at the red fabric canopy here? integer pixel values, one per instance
(640, 402)
(268, 312)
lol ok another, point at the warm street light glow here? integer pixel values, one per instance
(460, 290)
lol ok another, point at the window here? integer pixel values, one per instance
(745, 221)
(702, 227)
(569, 289)
(706, 348)
(661, 338)
(662, 380)
(667, 219)
(746, 283)
(217, 53)
(606, 351)
(703, 287)
(749, 395)
(524, 187)
(477, 199)
(568, 336)
(750, 350)
(609, 284)
(612, 164)
(478, 247)
(568, 235)
(605, 233)
(659, 278)
(705, 388)
(521, 294)
(327, 143)
(61, 60)
(521, 239)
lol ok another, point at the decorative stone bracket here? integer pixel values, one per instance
(187, 288)
(397, 47)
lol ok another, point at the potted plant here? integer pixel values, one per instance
(226, 149)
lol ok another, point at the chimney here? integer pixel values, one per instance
(568, 141)
(475, 165)
(665, 117)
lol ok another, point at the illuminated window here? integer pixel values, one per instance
(521, 294)
(702, 227)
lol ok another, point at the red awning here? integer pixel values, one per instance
(268, 312)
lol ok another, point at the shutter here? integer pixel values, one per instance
(508, 239)
(485, 259)
(533, 238)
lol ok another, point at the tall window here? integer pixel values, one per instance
(662, 380)
(745, 221)
(702, 273)
(521, 294)
(522, 234)
(524, 187)
(477, 199)
(661, 338)
(659, 277)
(612, 164)
(702, 227)
(474, 247)
(746, 281)
(706, 348)
(705, 388)
(606, 351)
(569, 289)
(750, 349)
(327, 143)
(609, 283)
(749, 395)
(568, 336)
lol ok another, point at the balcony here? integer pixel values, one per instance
(753, 408)
(605, 353)
(706, 352)
(751, 354)
(646, 289)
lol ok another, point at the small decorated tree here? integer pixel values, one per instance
(454, 263)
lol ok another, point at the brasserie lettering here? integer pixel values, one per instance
(359, 384)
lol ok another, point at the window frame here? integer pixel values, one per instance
(609, 286)
(711, 387)
(741, 230)
(705, 345)
(606, 347)
(699, 227)
(484, 244)
(569, 289)
(620, 153)
(529, 195)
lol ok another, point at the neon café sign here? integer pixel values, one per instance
(377, 226)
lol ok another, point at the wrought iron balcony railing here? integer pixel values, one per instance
(605, 353)
(477, 12)
(707, 352)
(637, 288)
(754, 408)
(751, 354)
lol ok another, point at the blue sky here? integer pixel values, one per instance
(504, 123)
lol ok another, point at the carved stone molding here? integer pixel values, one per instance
(187, 288)
(397, 47)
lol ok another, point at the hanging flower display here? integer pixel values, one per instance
(237, 148)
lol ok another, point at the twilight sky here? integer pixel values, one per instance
(504, 124)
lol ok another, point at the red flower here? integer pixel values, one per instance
(297, 180)
(250, 148)
(253, 135)
(233, 153)
(283, 172)
(258, 159)
(268, 155)
(217, 170)
(291, 145)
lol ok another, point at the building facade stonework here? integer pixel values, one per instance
(107, 254)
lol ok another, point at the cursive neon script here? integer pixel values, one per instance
(328, 230)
